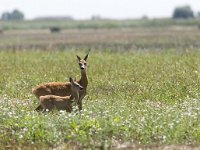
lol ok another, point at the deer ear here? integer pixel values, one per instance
(70, 79)
(87, 55)
(79, 58)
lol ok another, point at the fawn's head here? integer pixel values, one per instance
(75, 87)
(82, 62)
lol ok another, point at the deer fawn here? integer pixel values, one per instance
(64, 88)
(62, 102)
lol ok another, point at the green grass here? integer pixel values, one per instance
(135, 97)
(97, 24)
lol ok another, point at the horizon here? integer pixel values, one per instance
(85, 9)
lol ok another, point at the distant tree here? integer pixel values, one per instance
(5, 16)
(183, 12)
(145, 17)
(15, 15)
(54, 18)
(96, 17)
(198, 14)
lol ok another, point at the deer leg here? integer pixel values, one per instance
(80, 105)
(44, 110)
(39, 108)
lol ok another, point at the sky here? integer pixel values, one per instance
(84, 9)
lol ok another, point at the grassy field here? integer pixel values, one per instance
(144, 88)
(97, 24)
(139, 98)
(129, 39)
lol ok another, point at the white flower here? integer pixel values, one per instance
(20, 136)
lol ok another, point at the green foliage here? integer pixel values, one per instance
(96, 24)
(140, 98)
(183, 12)
(15, 15)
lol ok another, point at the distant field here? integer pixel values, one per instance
(144, 85)
(179, 38)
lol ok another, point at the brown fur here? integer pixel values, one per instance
(63, 88)
(61, 102)
(83, 82)
(53, 88)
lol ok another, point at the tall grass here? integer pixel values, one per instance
(140, 98)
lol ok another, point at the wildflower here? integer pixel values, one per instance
(20, 136)
(164, 138)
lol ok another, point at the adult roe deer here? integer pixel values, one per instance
(64, 88)
(62, 102)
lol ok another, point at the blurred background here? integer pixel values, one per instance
(101, 25)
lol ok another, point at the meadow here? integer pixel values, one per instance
(143, 92)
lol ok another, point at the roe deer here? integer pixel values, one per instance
(64, 88)
(62, 102)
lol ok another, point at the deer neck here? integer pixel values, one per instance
(83, 81)
(75, 95)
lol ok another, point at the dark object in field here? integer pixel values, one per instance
(199, 26)
(55, 29)
(1, 31)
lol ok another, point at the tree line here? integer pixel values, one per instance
(182, 12)
(14, 15)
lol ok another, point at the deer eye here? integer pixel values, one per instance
(76, 85)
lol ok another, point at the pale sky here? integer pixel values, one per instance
(84, 9)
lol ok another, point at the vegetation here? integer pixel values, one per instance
(180, 38)
(143, 88)
(97, 24)
(158, 104)
(183, 12)
(15, 15)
